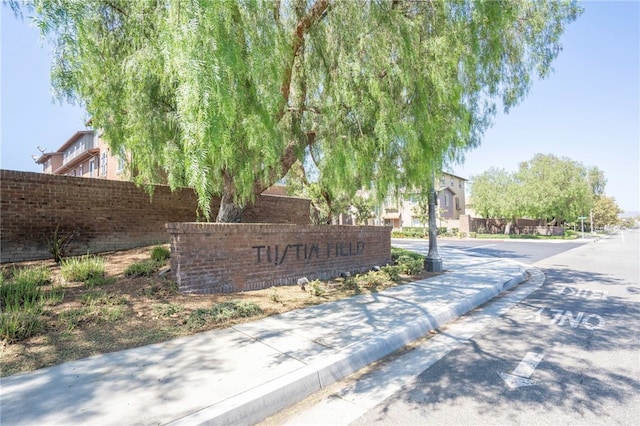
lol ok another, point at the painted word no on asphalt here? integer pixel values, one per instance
(561, 317)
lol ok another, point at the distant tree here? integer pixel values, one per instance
(630, 222)
(326, 203)
(605, 211)
(495, 194)
(421, 211)
(225, 96)
(363, 209)
(554, 189)
(597, 181)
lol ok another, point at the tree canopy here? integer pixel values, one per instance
(546, 187)
(224, 96)
(605, 211)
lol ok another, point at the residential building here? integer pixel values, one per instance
(85, 154)
(403, 209)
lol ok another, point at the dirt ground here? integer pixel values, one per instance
(130, 312)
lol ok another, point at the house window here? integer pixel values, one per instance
(103, 164)
(92, 167)
(458, 203)
(460, 184)
(446, 200)
(80, 170)
(452, 182)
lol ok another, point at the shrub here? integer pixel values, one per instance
(397, 252)
(59, 244)
(160, 254)
(167, 310)
(373, 279)
(351, 284)
(273, 295)
(83, 268)
(37, 275)
(141, 269)
(16, 326)
(393, 271)
(98, 281)
(315, 288)
(101, 298)
(410, 265)
(21, 296)
(222, 312)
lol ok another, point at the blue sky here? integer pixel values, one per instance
(588, 109)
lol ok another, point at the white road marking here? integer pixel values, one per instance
(519, 377)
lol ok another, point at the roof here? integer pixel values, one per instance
(452, 175)
(77, 135)
(45, 156)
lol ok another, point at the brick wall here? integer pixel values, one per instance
(221, 258)
(106, 215)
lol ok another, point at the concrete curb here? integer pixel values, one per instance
(256, 404)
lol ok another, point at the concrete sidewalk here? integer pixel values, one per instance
(245, 373)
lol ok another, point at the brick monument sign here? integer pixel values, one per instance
(224, 257)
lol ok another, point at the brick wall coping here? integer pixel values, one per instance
(208, 227)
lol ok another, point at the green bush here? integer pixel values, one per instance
(141, 269)
(167, 310)
(160, 254)
(410, 265)
(393, 271)
(21, 296)
(222, 312)
(16, 326)
(315, 288)
(351, 284)
(37, 275)
(397, 252)
(83, 268)
(373, 279)
(98, 281)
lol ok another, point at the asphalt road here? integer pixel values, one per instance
(526, 251)
(569, 353)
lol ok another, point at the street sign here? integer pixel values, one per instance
(582, 217)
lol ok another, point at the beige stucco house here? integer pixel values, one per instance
(401, 210)
(85, 154)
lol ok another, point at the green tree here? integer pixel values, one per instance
(225, 96)
(421, 211)
(605, 211)
(496, 194)
(597, 181)
(554, 189)
(363, 209)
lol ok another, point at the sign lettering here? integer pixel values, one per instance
(278, 254)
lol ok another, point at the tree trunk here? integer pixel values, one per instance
(510, 224)
(229, 211)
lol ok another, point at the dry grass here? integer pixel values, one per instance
(129, 312)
